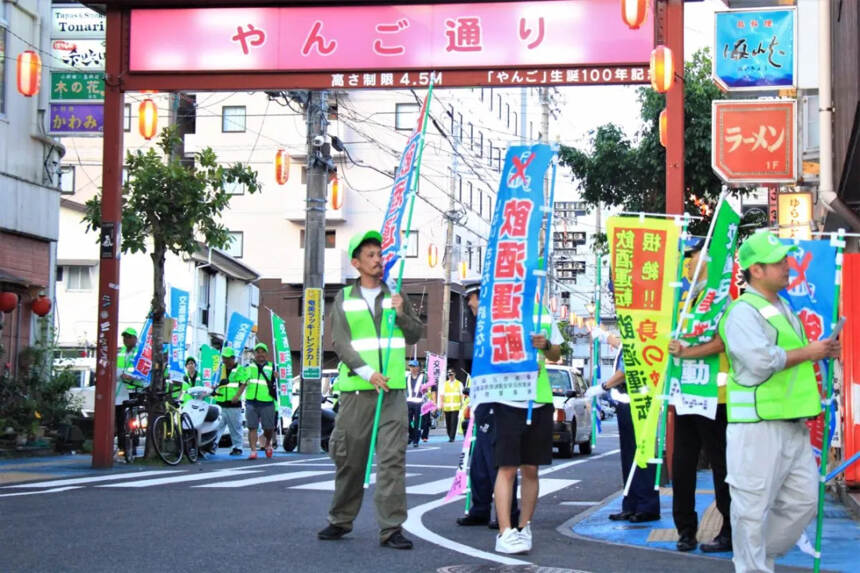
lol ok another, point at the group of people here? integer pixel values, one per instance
(450, 399)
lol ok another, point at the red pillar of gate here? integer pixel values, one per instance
(108, 301)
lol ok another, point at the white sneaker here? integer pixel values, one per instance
(526, 535)
(511, 542)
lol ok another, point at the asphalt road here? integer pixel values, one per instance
(241, 515)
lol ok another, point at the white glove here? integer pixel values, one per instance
(594, 391)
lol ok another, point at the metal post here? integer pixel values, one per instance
(451, 215)
(675, 110)
(316, 109)
(111, 213)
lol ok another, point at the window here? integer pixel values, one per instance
(329, 239)
(471, 204)
(490, 153)
(405, 116)
(471, 136)
(480, 257)
(469, 253)
(508, 114)
(516, 123)
(460, 188)
(236, 245)
(412, 248)
(233, 119)
(482, 94)
(481, 144)
(480, 203)
(491, 99)
(78, 277)
(499, 105)
(460, 127)
(126, 118)
(458, 243)
(67, 180)
(498, 159)
(489, 207)
(203, 297)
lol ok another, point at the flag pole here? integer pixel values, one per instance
(839, 241)
(390, 313)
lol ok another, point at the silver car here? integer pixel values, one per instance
(572, 416)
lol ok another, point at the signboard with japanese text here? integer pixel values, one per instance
(755, 49)
(210, 367)
(238, 330)
(143, 358)
(77, 118)
(179, 311)
(436, 364)
(772, 205)
(84, 55)
(507, 43)
(77, 22)
(284, 364)
(795, 215)
(505, 365)
(754, 141)
(77, 86)
(312, 332)
(693, 383)
(644, 256)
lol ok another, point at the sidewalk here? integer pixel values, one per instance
(840, 541)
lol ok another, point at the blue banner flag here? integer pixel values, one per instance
(755, 49)
(179, 311)
(401, 195)
(143, 358)
(238, 330)
(505, 366)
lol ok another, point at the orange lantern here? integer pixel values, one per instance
(662, 69)
(336, 201)
(463, 270)
(41, 306)
(633, 13)
(432, 255)
(282, 167)
(664, 126)
(29, 73)
(147, 121)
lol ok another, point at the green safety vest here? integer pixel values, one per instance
(187, 384)
(787, 395)
(228, 387)
(544, 388)
(372, 345)
(125, 363)
(258, 382)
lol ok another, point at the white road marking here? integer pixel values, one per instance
(264, 479)
(551, 469)
(419, 450)
(550, 485)
(94, 479)
(329, 485)
(431, 487)
(289, 463)
(585, 503)
(55, 490)
(180, 479)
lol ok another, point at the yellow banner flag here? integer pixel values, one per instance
(645, 256)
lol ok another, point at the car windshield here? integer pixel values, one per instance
(559, 380)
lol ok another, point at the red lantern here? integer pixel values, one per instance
(662, 69)
(633, 13)
(553, 304)
(29, 73)
(8, 301)
(564, 311)
(336, 193)
(432, 255)
(147, 119)
(42, 305)
(664, 126)
(282, 167)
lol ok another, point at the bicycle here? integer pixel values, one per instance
(133, 422)
(173, 433)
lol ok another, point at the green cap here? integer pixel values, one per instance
(260, 345)
(359, 238)
(129, 332)
(762, 247)
(228, 353)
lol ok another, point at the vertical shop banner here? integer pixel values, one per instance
(693, 382)
(505, 365)
(143, 358)
(810, 292)
(210, 360)
(755, 49)
(405, 183)
(644, 259)
(238, 329)
(436, 364)
(312, 333)
(179, 311)
(284, 364)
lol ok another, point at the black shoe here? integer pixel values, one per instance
(235, 452)
(686, 543)
(621, 516)
(720, 544)
(415, 445)
(450, 439)
(332, 532)
(470, 519)
(494, 524)
(397, 541)
(642, 517)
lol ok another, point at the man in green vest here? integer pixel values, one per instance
(228, 395)
(124, 379)
(261, 380)
(372, 360)
(771, 391)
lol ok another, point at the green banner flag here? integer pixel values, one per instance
(694, 383)
(284, 364)
(210, 362)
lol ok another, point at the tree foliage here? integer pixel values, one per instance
(630, 173)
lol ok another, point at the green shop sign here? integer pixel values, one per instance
(77, 86)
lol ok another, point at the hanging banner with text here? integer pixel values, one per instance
(179, 311)
(143, 358)
(436, 364)
(810, 292)
(505, 365)
(312, 333)
(238, 330)
(693, 382)
(284, 364)
(645, 257)
(210, 366)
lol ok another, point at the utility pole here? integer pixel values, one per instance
(451, 215)
(316, 108)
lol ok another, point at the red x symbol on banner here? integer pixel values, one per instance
(520, 169)
(800, 268)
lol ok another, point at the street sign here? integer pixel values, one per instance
(77, 22)
(312, 333)
(77, 86)
(754, 141)
(88, 55)
(77, 119)
(795, 214)
(755, 49)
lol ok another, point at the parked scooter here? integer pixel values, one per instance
(328, 412)
(205, 418)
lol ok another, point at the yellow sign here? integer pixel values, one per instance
(312, 332)
(795, 215)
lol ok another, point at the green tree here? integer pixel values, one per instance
(168, 207)
(631, 172)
